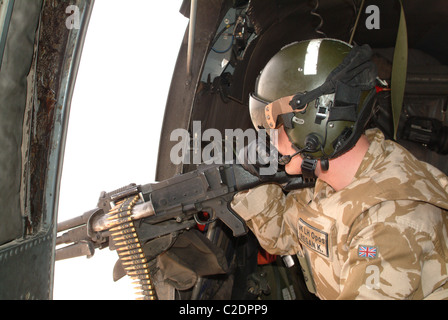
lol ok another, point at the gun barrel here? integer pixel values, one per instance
(75, 222)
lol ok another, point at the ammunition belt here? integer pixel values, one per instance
(129, 248)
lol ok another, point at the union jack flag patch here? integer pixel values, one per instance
(367, 252)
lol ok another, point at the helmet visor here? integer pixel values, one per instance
(265, 115)
(256, 110)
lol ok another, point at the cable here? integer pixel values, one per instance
(356, 22)
(219, 34)
(224, 51)
(314, 13)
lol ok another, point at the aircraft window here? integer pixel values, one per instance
(115, 120)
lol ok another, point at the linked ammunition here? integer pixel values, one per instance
(129, 248)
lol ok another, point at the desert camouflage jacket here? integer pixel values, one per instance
(384, 236)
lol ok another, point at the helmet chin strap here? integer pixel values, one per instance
(308, 169)
(308, 165)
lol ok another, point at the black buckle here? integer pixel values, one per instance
(308, 167)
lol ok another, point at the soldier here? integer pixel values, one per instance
(375, 224)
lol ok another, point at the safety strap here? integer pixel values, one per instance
(307, 275)
(399, 70)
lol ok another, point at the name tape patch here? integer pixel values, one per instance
(313, 238)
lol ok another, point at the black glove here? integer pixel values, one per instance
(259, 158)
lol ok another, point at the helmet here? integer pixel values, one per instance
(321, 91)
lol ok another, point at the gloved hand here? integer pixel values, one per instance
(259, 157)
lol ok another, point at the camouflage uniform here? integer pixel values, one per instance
(384, 236)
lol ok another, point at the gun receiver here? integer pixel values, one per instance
(210, 188)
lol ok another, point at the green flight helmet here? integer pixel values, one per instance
(320, 90)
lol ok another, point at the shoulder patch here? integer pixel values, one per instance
(367, 252)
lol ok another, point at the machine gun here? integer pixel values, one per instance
(128, 218)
